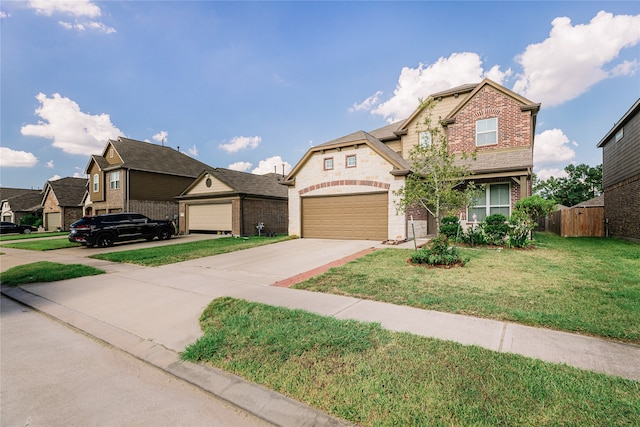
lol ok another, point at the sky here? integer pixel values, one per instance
(252, 85)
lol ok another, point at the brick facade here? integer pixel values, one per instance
(273, 213)
(622, 204)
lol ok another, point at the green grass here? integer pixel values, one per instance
(45, 271)
(42, 245)
(162, 255)
(586, 285)
(8, 237)
(374, 377)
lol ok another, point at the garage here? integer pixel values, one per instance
(210, 217)
(52, 220)
(353, 216)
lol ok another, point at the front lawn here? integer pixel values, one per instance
(38, 235)
(587, 285)
(45, 271)
(161, 255)
(374, 377)
(42, 245)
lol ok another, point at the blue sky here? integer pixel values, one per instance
(250, 85)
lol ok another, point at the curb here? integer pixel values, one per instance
(253, 398)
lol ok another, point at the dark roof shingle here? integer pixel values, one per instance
(69, 191)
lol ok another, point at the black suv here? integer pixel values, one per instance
(104, 230)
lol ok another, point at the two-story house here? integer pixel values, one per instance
(345, 188)
(621, 175)
(136, 176)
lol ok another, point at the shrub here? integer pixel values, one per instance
(438, 253)
(520, 226)
(474, 236)
(30, 220)
(449, 226)
(495, 228)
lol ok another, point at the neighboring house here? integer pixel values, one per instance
(228, 201)
(19, 202)
(621, 175)
(62, 202)
(345, 188)
(136, 176)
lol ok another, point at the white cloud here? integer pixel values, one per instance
(241, 142)
(552, 146)
(367, 104)
(67, 7)
(193, 151)
(75, 8)
(98, 26)
(50, 164)
(271, 165)
(240, 166)
(416, 83)
(545, 174)
(54, 178)
(79, 175)
(71, 130)
(161, 136)
(17, 159)
(573, 58)
(4, 15)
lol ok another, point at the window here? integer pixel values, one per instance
(328, 163)
(425, 139)
(619, 134)
(351, 161)
(114, 180)
(96, 183)
(487, 132)
(111, 153)
(495, 199)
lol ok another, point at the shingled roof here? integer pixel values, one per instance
(22, 200)
(249, 183)
(69, 191)
(149, 157)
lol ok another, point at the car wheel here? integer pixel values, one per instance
(26, 231)
(164, 235)
(104, 241)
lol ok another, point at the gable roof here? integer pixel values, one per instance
(596, 202)
(627, 116)
(69, 191)
(246, 183)
(23, 200)
(7, 192)
(149, 157)
(359, 138)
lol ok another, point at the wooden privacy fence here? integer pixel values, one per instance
(577, 222)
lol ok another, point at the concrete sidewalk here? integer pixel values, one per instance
(153, 314)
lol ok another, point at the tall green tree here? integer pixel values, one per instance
(439, 180)
(582, 183)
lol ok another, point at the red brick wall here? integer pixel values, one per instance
(273, 213)
(514, 126)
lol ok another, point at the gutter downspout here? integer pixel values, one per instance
(126, 194)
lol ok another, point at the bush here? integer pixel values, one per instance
(449, 226)
(520, 226)
(474, 236)
(495, 228)
(30, 220)
(438, 253)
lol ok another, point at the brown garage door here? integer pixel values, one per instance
(354, 216)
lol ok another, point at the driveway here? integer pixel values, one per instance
(163, 304)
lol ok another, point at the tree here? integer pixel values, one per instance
(582, 183)
(437, 179)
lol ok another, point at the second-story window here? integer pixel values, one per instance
(114, 180)
(96, 183)
(487, 132)
(619, 134)
(328, 163)
(351, 161)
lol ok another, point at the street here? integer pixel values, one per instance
(54, 375)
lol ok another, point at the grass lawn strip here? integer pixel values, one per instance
(42, 245)
(45, 271)
(7, 237)
(585, 285)
(161, 255)
(374, 377)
